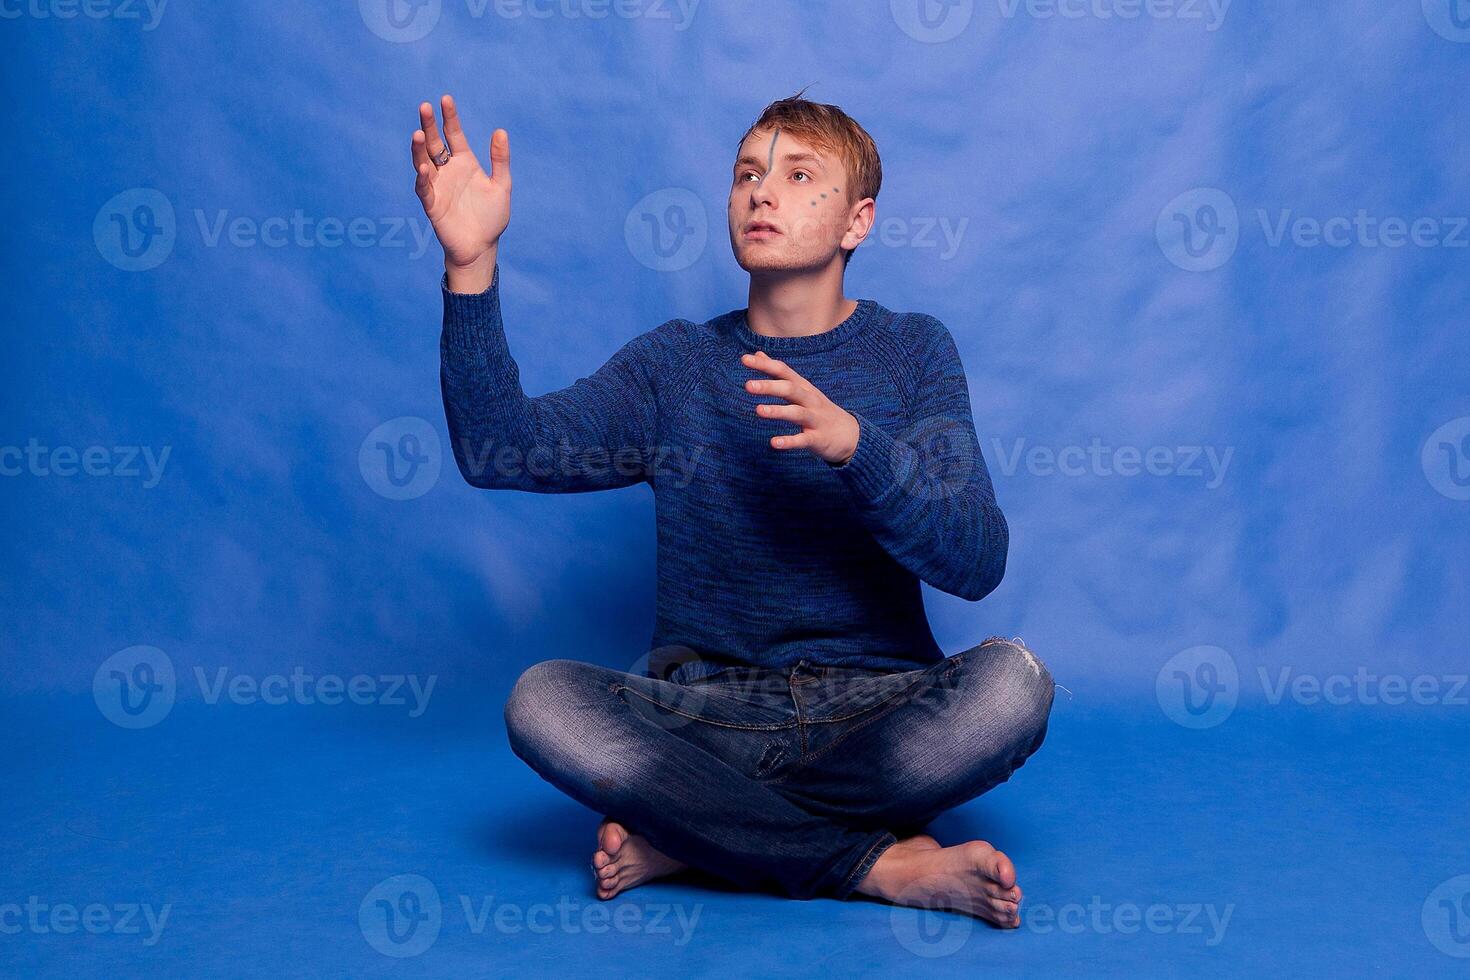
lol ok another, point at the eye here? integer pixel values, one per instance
(802, 173)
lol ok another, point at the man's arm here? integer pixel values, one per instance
(597, 434)
(924, 492)
(593, 435)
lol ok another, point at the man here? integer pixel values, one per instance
(798, 725)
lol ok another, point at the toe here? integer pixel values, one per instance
(1004, 914)
(1000, 869)
(601, 859)
(612, 836)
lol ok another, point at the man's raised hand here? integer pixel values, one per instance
(468, 208)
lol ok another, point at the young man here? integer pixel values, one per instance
(800, 725)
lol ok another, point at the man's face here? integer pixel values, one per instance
(796, 197)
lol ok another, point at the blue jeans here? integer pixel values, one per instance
(795, 779)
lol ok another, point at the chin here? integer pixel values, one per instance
(757, 259)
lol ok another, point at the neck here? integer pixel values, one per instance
(797, 304)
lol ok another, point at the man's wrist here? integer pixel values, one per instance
(475, 277)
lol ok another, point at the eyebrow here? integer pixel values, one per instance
(785, 158)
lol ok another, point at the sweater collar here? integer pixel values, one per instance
(826, 340)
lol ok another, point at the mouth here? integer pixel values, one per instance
(761, 230)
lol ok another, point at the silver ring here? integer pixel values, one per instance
(442, 158)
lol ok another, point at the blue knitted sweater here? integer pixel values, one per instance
(765, 556)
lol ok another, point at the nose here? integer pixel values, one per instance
(762, 194)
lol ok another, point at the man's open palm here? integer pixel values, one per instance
(468, 208)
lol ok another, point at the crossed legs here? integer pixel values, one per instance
(686, 775)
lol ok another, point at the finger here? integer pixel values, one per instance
(791, 413)
(799, 441)
(424, 186)
(762, 361)
(500, 156)
(453, 132)
(781, 389)
(420, 149)
(431, 130)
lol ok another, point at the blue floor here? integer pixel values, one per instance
(1287, 841)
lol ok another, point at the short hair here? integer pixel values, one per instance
(832, 131)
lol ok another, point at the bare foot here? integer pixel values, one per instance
(623, 860)
(973, 878)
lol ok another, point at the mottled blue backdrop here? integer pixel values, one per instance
(1206, 264)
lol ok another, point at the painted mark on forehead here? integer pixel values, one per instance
(770, 156)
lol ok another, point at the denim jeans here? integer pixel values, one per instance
(796, 779)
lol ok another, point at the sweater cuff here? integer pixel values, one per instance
(872, 471)
(468, 316)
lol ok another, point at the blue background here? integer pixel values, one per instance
(1060, 150)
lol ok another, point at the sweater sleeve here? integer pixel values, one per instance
(923, 491)
(596, 434)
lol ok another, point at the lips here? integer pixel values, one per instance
(762, 228)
